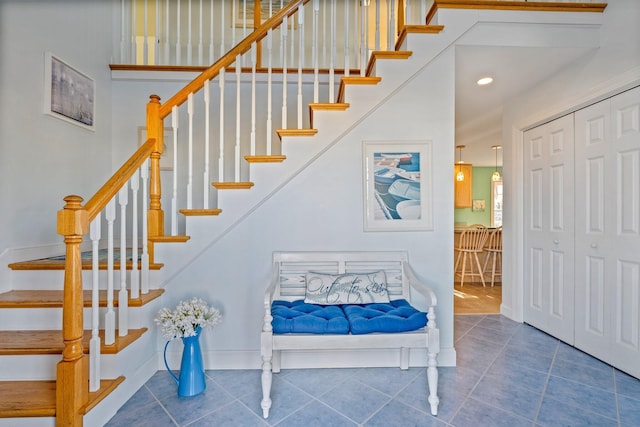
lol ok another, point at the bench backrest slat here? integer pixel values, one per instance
(293, 266)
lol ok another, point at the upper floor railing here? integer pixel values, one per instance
(199, 32)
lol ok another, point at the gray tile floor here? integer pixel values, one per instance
(508, 374)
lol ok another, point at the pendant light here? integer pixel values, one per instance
(496, 175)
(460, 174)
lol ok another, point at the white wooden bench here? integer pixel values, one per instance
(288, 284)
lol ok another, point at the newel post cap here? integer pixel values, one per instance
(73, 218)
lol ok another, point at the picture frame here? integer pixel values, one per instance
(69, 94)
(166, 160)
(245, 20)
(478, 205)
(398, 194)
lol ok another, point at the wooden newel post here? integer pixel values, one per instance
(72, 376)
(155, 129)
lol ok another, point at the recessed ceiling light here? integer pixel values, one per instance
(485, 81)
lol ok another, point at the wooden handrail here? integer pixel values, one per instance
(99, 201)
(229, 57)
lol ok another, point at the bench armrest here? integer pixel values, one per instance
(268, 297)
(271, 289)
(419, 286)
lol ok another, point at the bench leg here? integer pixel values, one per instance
(276, 361)
(266, 386)
(432, 379)
(404, 358)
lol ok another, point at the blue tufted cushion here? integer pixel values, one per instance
(302, 318)
(395, 316)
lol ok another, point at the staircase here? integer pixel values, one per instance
(31, 343)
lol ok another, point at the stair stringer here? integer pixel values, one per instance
(332, 126)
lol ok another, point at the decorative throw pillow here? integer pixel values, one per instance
(348, 288)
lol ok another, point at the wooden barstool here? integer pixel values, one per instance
(471, 243)
(494, 251)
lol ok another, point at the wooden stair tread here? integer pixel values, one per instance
(53, 298)
(169, 239)
(38, 398)
(232, 185)
(59, 264)
(27, 399)
(296, 132)
(200, 212)
(265, 159)
(40, 342)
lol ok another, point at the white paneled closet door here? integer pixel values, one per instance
(607, 278)
(548, 234)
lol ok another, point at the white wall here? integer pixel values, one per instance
(42, 158)
(613, 67)
(322, 209)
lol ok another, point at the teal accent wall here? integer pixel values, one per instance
(481, 191)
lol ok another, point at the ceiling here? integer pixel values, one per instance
(479, 108)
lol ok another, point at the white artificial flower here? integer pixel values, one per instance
(186, 318)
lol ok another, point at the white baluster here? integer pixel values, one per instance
(423, 11)
(233, 22)
(300, 61)
(223, 23)
(144, 259)
(324, 34)
(314, 51)
(283, 50)
(269, 84)
(392, 25)
(110, 317)
(189, 34)
(346, 38)
(178, 47)
(377, 25)
(174, 193)
(254, 53)
(123, 296)
(292, 39)
(133, 52)
(167, 33)
(332, 53)
(364, 36)
(207, 140)
(123, 35)
(211, 50)
(135, 276)
(190, 157)
(158, 35)
(145, 42)
(221, 150)
(94, 344)
(200, 45)
(407, 12)
(238, 111)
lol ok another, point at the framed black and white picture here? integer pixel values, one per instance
(69, 94)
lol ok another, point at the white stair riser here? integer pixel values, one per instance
(36, 367)
(43, 367)
(28, 319)
(54, 279)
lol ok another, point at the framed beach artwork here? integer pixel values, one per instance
(397, 186)
(69, 94)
